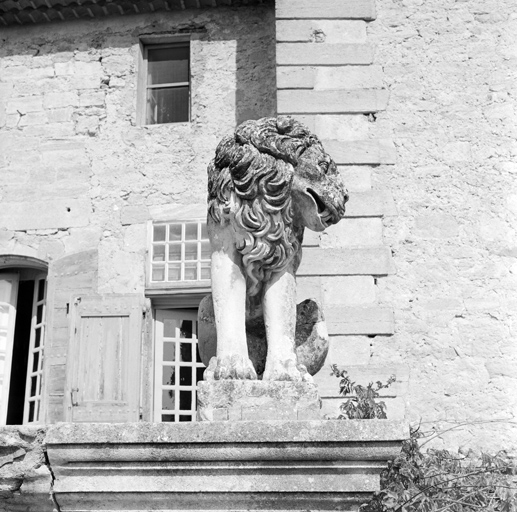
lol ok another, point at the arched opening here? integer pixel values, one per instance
(22, 338)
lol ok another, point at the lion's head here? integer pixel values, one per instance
(271, 179)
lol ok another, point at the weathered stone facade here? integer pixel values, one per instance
(413, 100)
(78, 174)
(450, 69)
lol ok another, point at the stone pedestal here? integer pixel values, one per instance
(205, 466)
(247, 400)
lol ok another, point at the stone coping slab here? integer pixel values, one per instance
(325, 431)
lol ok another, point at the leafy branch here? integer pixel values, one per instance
(363, 405)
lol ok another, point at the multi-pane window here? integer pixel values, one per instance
(180, 252)
(31, 410)
(178, 366)
(167, 88)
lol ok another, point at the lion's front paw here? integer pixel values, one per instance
(287, 369)
(230, 367)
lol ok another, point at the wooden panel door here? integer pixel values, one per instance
(104, 359)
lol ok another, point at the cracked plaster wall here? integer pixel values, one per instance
(77, 173)
(450, 68)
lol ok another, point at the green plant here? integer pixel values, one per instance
(364, 404)
(439, 481)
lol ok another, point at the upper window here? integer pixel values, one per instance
(180, 252)
(167, 83)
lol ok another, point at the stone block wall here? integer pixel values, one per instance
(81, 179)
(450, 69)
(326, 77)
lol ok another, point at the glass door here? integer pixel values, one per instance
(8, 298)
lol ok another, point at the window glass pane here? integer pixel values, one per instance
(174, 232)
(199, 374)
(169, 327)
(31, 412)
(186, 329)
(158, 273)
(159, 233)
(174, 252)
(190, 271)
(168, 376)
(41, 289)
(168, 417)
(175, 272)
(168, 399)
(39, 314)
(204, 232)
(191, 250)
(33, 386)
(169, 351)
(205, 250)
(185, 418)
(35, 362)
(37, 339)
(185, 376)
(159, 252)
(167, 105)
(37, 413)
(205, 270)
(167, 65)
(191, 231)
(186, 352)
(185, 400)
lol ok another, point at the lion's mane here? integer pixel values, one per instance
(249, 186)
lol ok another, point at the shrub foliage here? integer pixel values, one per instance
(440, 481)
(435, 481)
(363, 405)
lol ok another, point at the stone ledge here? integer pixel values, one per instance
(246, 465)
(372, 152)
(332, 9)
(321, 54)
(359, 320)
(357, 261)
(272, 431)
(331, 101)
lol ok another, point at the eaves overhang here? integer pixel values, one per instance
(25, 12)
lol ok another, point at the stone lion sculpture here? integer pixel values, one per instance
(268, 181)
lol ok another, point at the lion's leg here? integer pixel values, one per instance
(280, 319)
(229, 299)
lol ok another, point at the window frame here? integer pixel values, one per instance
(146, 43)
(173, 293)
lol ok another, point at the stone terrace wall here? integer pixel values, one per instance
(450, 68)
(77, 174)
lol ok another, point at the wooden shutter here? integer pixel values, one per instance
(103, 368)
(68, 277)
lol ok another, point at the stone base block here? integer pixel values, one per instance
(241, 400)
(209, 466)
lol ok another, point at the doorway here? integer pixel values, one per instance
(22, 334)
(177, 364)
